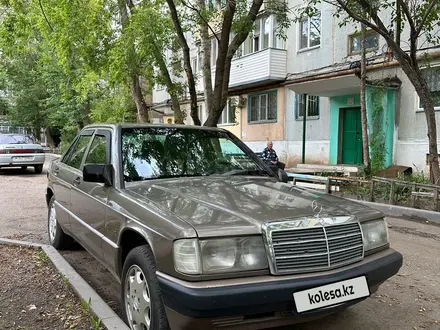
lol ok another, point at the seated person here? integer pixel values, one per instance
(270, 156)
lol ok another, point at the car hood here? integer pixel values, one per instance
(217, 206)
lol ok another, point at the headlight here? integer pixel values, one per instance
(222, 255)
(375, 234)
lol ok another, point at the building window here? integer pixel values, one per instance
(355, 42)
(310, 31)
(312, 106)
(278, 41)
(263, 107)
(228, 114)
(263, 36)
(194, 65)
(432, 77)
(200, 112)
(214, 51)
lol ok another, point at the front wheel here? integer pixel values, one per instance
(57, 237)
(143, 307)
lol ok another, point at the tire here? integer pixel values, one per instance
(140, 261)
(57, 237)
(38, 169)
(24, 168)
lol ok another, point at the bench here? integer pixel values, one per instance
(319, 182)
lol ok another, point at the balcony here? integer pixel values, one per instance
(259, 68)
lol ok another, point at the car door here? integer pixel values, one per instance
(62, 178)
(89, 199)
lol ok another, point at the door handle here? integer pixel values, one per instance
(56, 171)
(77, 180)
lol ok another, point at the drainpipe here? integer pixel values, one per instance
(304, 128)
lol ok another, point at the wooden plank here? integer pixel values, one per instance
(400, 182)
(351, 179)
(372, 191)
(413, 195)
(393, 193)
(307, 177)
(422, 194)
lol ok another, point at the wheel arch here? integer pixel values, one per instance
(130, 238)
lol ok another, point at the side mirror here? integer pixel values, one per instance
(99, 173)
(282, 175)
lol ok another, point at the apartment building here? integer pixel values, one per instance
(313, 73)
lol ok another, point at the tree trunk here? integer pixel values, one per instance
(138, 98)
(187, 62)
(428, 105)
(206, 66)
(178, 115)
(226, 52)
(365, 147)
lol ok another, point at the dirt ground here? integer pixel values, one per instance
(34, 296)
(410, 300)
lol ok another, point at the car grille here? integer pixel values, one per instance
(315, 248)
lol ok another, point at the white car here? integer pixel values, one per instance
(21, 150)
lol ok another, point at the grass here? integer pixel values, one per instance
(96, 322)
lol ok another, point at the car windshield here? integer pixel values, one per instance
(16, 139)
(153, 153)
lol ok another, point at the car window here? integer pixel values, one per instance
(78, 151)
(98, 151)
(153, 153)
(16, 139)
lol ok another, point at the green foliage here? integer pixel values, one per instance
(377, 136)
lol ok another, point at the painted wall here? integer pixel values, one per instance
(264, 131)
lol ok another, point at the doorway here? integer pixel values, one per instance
(351, 136)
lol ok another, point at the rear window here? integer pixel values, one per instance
(16, 139)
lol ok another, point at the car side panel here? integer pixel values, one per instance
(61, 176)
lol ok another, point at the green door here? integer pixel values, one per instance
(351, 136)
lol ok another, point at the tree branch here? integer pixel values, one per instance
(187, 5)
(379, 27)
(405, 8)
(425, 17)
(383, 32)
(243, 34)
(45, 17)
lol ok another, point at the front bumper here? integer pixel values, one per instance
(22, 160)
(216, 299)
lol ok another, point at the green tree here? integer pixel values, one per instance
(422, 19)
(234, 19)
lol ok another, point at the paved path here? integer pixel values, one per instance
(410, 300)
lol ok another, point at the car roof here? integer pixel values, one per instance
(133, 125)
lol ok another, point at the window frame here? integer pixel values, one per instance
(299, 33)
(66, 157)
(417, 98)
(107, 135)
(298, 102)
(368, 33)
(200, 113)
(90, 134)
(260, 94)
(226, 111)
